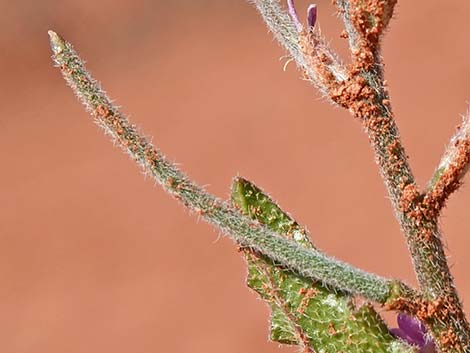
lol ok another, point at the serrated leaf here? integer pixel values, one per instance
(304, 313)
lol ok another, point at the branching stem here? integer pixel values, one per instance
(363, 92)
(414, 211)
(290, 34)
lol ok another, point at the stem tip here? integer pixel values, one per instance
(57, 42)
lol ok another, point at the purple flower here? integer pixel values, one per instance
(311, 15)
(293, 15)
(414, 332)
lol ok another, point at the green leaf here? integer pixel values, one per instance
(305, 313)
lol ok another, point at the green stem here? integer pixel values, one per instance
(248, 233)
(446, 318)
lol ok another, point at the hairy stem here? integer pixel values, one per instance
(365, 95)
(451, 170)
(344, 13)
(286, 28)
(307, 262)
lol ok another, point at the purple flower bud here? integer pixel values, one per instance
(311, 16)
(414, 332)
(293, 15)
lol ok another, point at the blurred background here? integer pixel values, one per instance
(96, 258)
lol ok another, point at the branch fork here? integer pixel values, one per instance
(362, 90)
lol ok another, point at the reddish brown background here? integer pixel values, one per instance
(93, 258)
